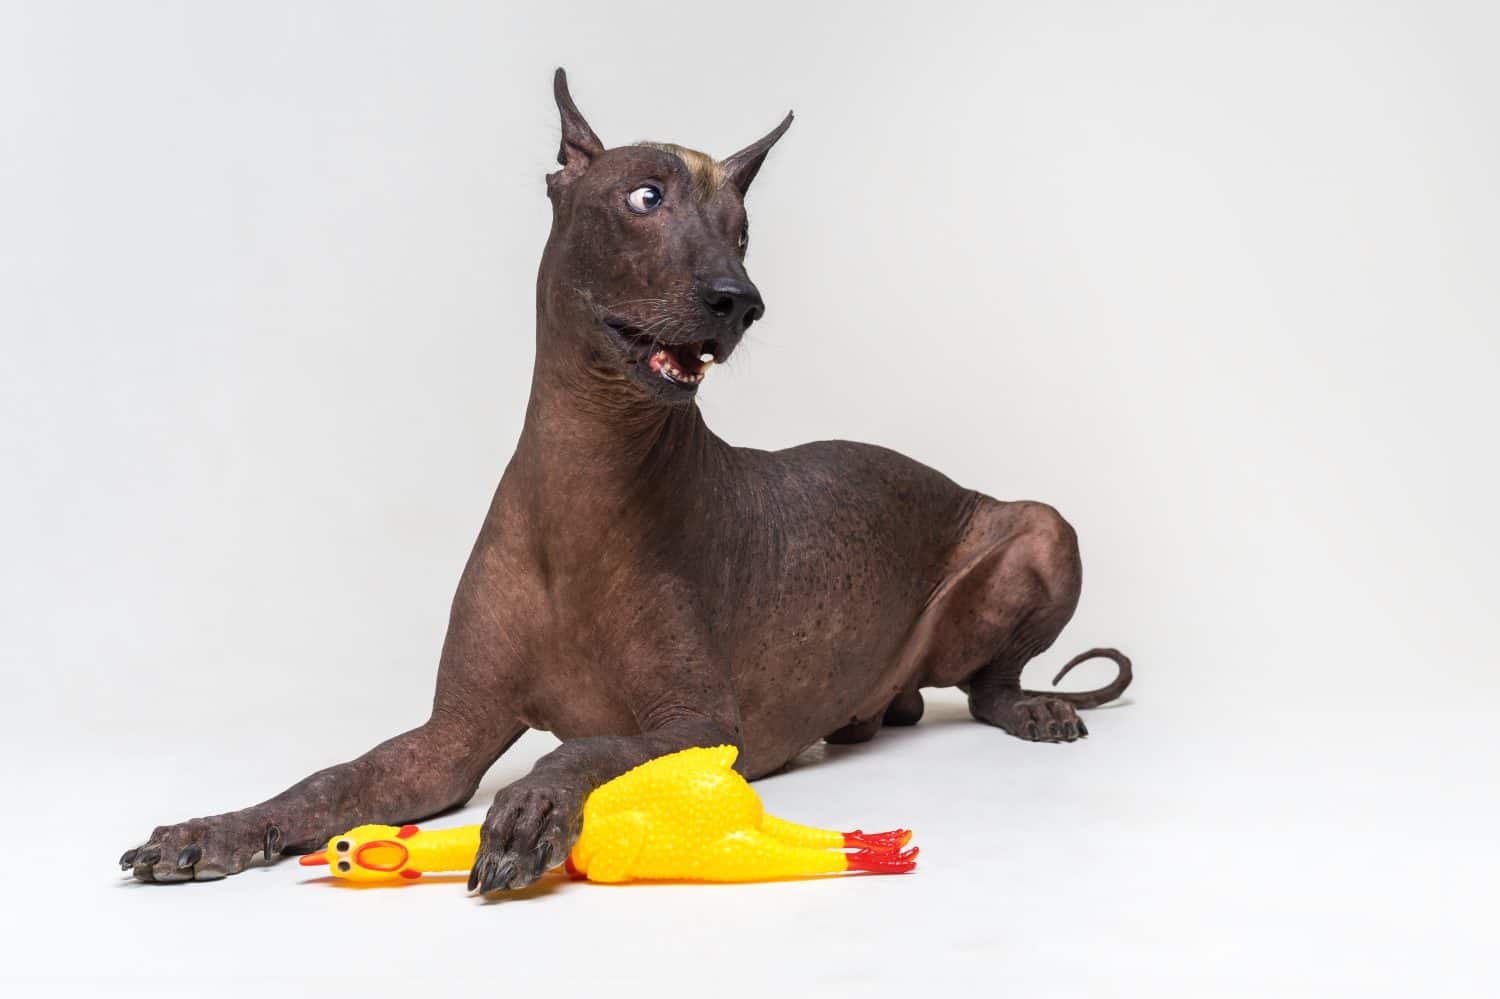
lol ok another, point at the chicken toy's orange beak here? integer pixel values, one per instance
(314, 859)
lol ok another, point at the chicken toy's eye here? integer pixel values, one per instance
(644, 199)
(344, 866)
(342, 846)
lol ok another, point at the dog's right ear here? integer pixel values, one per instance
(579, 143)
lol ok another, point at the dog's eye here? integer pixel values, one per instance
(744, 235)
(644, 198)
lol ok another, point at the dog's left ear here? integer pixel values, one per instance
(579, 143)
(742, 167)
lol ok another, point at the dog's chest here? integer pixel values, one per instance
(576, 687)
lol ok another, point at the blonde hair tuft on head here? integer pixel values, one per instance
(707, 172)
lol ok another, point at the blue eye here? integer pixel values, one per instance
(644, 198)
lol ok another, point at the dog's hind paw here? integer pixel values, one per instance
(1034, 717)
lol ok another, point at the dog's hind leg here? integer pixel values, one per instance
(1014, 587)
(906, 709)
(1034, 584)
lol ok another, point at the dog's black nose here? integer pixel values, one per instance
(733, 299)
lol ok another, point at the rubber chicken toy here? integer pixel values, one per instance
(686, 816)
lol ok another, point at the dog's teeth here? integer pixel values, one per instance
(706, 357)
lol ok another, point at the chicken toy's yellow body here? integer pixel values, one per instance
(687, 816)
(690, 816)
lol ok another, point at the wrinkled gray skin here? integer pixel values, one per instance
(640, 586)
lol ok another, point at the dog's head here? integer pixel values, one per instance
(647, 255)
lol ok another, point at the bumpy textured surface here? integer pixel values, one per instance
(689, 816)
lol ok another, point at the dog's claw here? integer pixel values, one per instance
(1083, 729)
(485, 874)
(500, 877)
(189, 856)
(127, 859)
(532, 866)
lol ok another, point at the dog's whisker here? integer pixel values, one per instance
(633, 301)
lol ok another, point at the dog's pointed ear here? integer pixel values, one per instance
(742, 167)
(579, 143)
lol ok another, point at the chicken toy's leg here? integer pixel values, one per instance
(798, 835)
(755, 855)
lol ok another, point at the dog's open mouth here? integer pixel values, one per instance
(682, 364)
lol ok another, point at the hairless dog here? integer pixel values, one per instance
(640, 586)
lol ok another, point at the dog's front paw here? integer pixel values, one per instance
(529, 829)
(204, 849)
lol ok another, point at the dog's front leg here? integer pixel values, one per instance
(416, 774)
(535, 821)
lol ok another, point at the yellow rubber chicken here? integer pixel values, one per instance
(686, 816)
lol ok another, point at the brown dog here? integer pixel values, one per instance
(640, 586)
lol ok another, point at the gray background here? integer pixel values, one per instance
(1216, 280)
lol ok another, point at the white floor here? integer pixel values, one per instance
(1181, 849)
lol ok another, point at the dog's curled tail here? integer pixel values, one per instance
(1106, 693)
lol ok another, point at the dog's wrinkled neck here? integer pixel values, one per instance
(588, 427)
